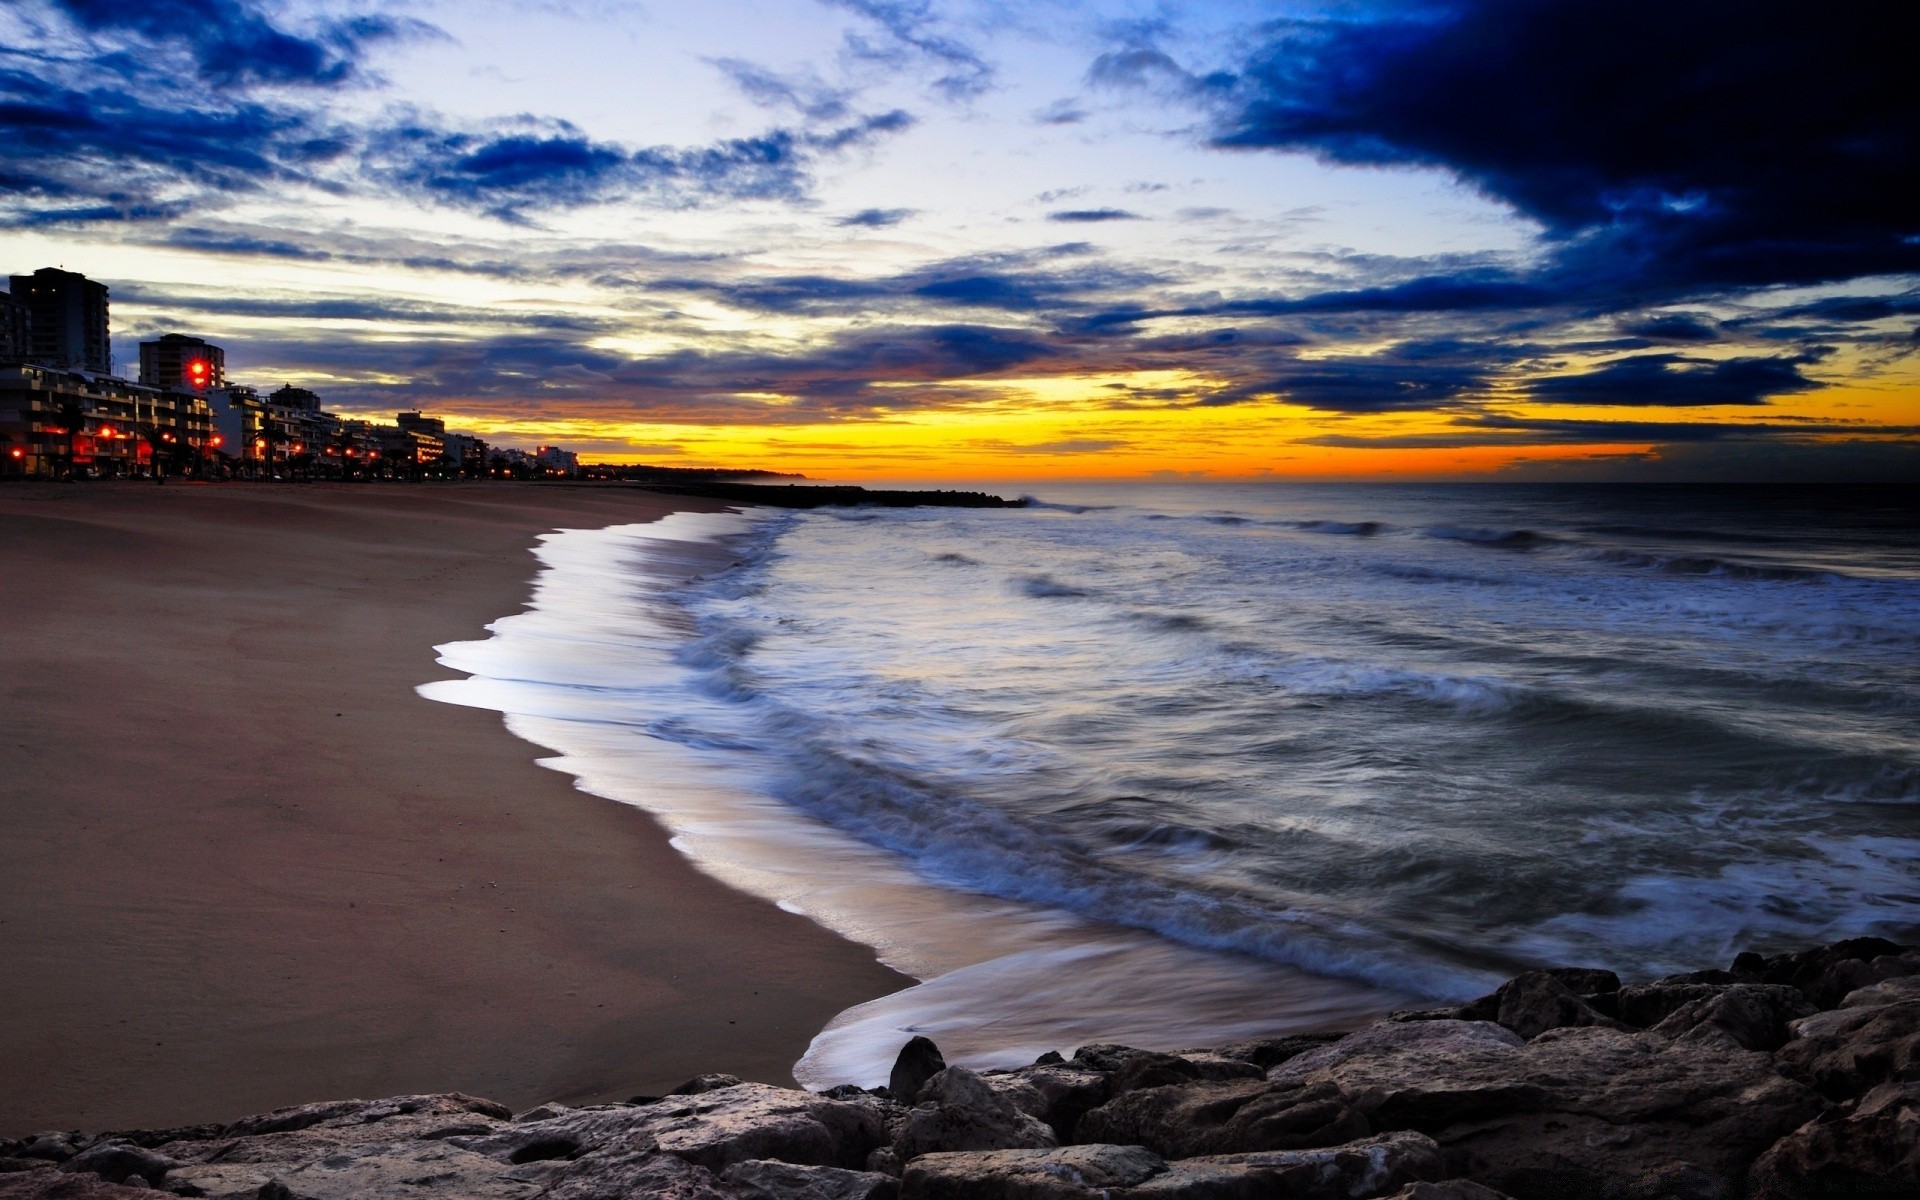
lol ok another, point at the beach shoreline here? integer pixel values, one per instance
(248, 866)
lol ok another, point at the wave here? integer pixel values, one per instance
(1341, 528)
(1503, 539)
(1706, 565)
(1840, 887)
(953, 559)
(954, 839)
(1044, 586)
(1664, 533)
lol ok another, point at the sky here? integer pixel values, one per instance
(979, 239)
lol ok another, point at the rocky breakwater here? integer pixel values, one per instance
(1787, 1078)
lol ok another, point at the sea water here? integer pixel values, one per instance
(1172, 765)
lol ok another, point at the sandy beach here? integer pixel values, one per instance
(245, 865)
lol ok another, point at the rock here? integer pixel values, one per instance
(543, 1112)
(117, 1162)
(1372, 1167)
(1538, 1001)
(1066, 1092)
(53, 1185)
(1867, 1150)
(1270, 1052)
(885, 1162)
(1450, 1189)
(1217, 1118)
(961, 1112)
(1807, 968)
(1049, 1059)
(363, 1112)
(1647, 1004)
(54, 1146)
(1753, 1015)
(1591, 986)
(1215, 1067)
(1146, 1068)
(919, 1061)
(1891, 991)
(704, 1083)
(1066, 1173)
(623, 1172)
(1016, 1090)
(712, 1129)
(764, 1180)
(1575, 1110)
(393, 1171)
(1848, 1051)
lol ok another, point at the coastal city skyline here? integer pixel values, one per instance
(908, 239)
(67, 410)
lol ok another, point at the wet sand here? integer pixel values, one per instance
(245, 865)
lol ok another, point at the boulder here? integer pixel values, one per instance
(1575, 1110)
(389, 1172)
(1753, 1016)
(713, 1129)
(704, 1083)
(1065, 1092)
(1372, 1167)
(117, 1162)
(1806, 968)
(766, 1180)
(1538, 1001)
(959, 1111)
(53, 1185)
(1220, 1118)
(919, 1060)
(1867, 1150)
(1645, 1005)
(1848, 1051)
(1891, 991)
(1065, 1173)
(1269, 1052)
(1450, 1189)
(336, 1113)
(53, 1146)
(623, 1172)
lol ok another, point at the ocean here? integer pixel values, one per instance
(1176, 764)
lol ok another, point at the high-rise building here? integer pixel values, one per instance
(187, 363)
(290, 396)
(414, 422)
(15, 340)
(67, 320)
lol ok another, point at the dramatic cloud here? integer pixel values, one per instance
(234, 43)
(1678, 145)
(1675, 381)
(1091, 215)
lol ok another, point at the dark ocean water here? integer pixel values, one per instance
(1401, 738)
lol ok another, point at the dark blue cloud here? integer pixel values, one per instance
(231, 42)
(108, 150)
(1671, 327)
(1410, 376)
(1666, 144)
(529, 165)
(1090, 215)
(877, 218)
(1673, 380)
